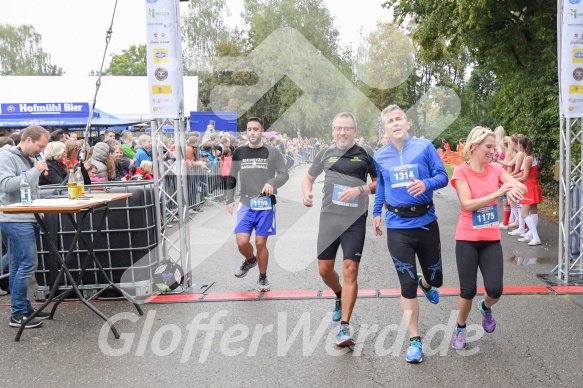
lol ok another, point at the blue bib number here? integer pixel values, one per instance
(261, 203)
(401, 175)
(336, 196)
(485, 217)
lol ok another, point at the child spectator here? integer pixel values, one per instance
(146, 170)
(92, 172)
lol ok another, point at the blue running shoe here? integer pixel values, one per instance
(343, 338)
(432, 295)
(337, 312)
(414, 352)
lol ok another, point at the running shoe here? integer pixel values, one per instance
(244, 268)
(488, 321)
(343, 338)
(262, 285)
(459, 338)
(337, 312)
(503, 226)
(432, 295)
(414, 352)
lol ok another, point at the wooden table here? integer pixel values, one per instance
(85, 205)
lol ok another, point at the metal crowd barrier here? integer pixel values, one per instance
(204, 187)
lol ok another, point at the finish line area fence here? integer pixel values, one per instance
(205, 186)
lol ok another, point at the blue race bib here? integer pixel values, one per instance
(401, 175)
(485, 217)
(260, 203)
(336, 196)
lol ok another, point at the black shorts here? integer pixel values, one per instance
(341, 230)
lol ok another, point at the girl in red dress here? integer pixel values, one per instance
(534, 196)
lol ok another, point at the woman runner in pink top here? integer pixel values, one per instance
(479, 184)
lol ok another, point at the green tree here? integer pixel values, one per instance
(391, 69)
(515, 42)
(131, 62)
(204, 28)
(315, 23)
(21, 52)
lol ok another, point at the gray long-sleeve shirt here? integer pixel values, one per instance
(13, 162)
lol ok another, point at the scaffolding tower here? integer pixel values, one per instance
(170, 181)
(570, 191)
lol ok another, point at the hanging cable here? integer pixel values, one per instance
(87, 131)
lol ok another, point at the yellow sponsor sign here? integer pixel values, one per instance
(162, 89)
(161, 55)
(577, 55)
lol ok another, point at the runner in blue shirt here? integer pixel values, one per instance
(409, 170)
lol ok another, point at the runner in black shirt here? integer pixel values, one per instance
(343, 217)
(262, 171)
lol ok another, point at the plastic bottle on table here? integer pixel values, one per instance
(24, 189)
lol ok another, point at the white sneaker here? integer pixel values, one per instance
(517, 232)
(525, 239)
(534, 242)
(502, 226)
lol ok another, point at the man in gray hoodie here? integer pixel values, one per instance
(22, 229)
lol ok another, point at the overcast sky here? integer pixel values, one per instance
(73, 31)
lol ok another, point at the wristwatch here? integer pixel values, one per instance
(361, 189)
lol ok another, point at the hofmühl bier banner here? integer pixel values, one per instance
(164, 47)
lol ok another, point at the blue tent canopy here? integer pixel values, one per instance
(222, 121)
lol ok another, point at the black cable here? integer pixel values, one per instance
(87, 131)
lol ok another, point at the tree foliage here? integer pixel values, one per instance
(21, 52)
(262, 18)
(511, 43)
(131, 62)
(204, 29)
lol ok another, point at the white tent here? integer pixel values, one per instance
(122, 97)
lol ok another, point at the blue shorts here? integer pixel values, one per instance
(263, 221)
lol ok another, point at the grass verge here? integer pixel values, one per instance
(549, 209)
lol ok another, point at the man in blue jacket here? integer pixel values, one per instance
(409, 170)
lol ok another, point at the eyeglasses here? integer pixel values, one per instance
(344, 129)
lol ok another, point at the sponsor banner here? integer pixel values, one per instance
(44, 108)
(571, 57)
(164, 47)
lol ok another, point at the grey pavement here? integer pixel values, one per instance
(537, 342)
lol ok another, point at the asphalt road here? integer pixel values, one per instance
(537, 342)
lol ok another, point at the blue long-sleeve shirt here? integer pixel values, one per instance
(419, 157)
